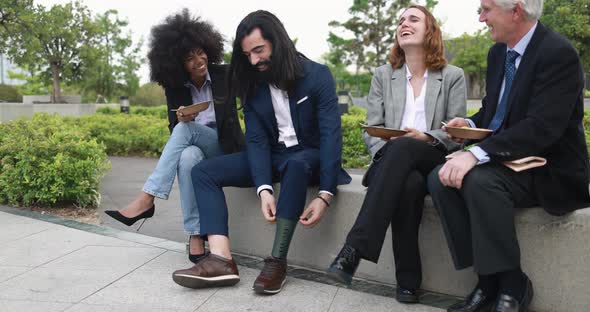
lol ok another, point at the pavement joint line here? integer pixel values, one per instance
(121, 277)
(24, 237)
(207, 300)
(427, 298)
(333, 298)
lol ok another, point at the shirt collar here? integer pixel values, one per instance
(188, 84)
(409, 74)
(521, 46)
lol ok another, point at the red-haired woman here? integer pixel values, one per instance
(415, 92)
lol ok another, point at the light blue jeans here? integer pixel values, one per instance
(188, 144)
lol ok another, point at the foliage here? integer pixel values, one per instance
(354, 151)
(572, 19)
(10, 94)
(123, 134)
(44, 161)
(470, 53)
(33, 83)
(13, 15)
(52, 41)
(66, 44)
(357, 84)
(149, 94)
(112, 72)
(372, 27)
(155, 111)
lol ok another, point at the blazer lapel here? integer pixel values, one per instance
(262, 104)
(398, 94)
(433, 85)
(526, 63)
(293, 108)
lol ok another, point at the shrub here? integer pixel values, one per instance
(149, 94)
(44, 161)
(354, 151)
(125, 135)
(10, 94)
(156, 111)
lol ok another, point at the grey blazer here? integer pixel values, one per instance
(446, 98)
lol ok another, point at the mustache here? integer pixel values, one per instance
(262, 63)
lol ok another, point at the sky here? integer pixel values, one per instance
(306, 20)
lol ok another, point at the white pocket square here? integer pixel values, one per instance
(303, 99)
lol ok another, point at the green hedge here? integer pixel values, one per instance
(354, 151)
(45, 161)
(125, 135)
(10, 94)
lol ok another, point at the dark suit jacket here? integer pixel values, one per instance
(229, 132)
(316, 119)
(544, 118)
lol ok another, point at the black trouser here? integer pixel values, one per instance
(396, 196)
(478, 219)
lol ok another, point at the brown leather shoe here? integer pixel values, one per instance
(272, 277)
(211, 271)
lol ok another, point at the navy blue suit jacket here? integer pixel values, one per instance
(316, 119)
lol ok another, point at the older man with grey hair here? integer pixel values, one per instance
(534, 105)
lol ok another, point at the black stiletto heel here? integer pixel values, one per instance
(130, 221)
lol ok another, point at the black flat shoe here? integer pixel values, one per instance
(344, 266)
(506, 303)
(115, 214)
(477, 301)
(403, 295)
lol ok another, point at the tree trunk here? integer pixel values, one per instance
(56, 94)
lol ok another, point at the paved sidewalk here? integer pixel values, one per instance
(50, 264)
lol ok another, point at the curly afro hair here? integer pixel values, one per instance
(172, 41)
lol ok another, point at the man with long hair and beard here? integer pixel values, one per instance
(293, 136)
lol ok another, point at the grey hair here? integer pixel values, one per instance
(532, 8)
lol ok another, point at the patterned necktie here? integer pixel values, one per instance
(509, 72)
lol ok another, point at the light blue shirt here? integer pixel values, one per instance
(203, 94)
(481, 155)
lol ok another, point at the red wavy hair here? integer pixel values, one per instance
(433, 44)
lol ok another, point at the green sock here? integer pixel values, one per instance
(284, 232)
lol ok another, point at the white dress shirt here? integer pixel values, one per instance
(414, 113)
(287, 135)
(280, 103)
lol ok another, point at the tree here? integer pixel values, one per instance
(571, 18)
(470, 52)
(372, 26)
(115, 60)
(13, 16)
(53, 40)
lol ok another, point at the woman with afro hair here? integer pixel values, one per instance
(184, 56)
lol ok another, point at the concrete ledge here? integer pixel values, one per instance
(555, 250)
(14, 111)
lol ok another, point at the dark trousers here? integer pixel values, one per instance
(293, 167)
(395, 196)
(478, 219)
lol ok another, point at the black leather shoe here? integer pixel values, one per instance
(404, 295)
(506, 303)
(475, 302)
(343, 267)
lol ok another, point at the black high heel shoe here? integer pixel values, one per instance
(130, 221)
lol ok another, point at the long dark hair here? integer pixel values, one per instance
(173, 40)
(285, 66)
